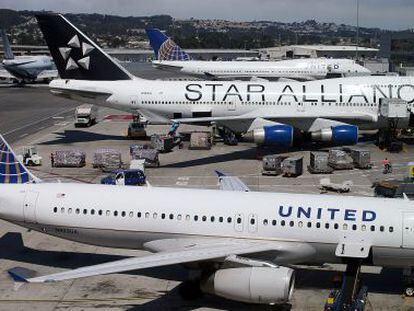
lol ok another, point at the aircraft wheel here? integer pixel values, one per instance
(190, 290)
(409, 292)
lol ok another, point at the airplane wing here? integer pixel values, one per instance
(231, 183)
(210, 250)
(5, 75)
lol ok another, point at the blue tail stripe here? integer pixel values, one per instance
(11, 170)
(165, 48)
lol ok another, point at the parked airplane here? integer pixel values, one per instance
(25, 68)
(170, 56)
(243, 250)
(330, 110)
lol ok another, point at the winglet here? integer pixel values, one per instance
(405, 197)
(20, 274)
(220, 174)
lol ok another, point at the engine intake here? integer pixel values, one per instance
(338, 135)
(262, 285)
(273, 135)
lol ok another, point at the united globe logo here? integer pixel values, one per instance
(171, 51)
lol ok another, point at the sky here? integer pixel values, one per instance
(385, 14)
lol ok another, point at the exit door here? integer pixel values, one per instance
(29, 206)
(238, 222)
(408, 230)
(252, 223)
(134, 100)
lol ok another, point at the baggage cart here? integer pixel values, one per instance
(200, 141)
(272, 164)
(361, 158)
(108, 158)
(162, 143)
(151, 157)
(292, 166)
(338, 159)
(68, 158)
(318, 163)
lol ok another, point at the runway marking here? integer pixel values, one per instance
(24, 135)
(182, 181)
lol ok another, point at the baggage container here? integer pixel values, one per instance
(68, 158)
(200, 141)
(338, 159)
(292, 166)
(272, 164)
(162, 143)
(318, 163)
(108, 158)
(151, 157)
(361, 158)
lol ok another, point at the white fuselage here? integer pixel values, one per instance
(300, 69)
(309, 226)
(353, 100)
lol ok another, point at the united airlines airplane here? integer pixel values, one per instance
(269, 113)
(243, 241)
(25, 68)
(170, 56)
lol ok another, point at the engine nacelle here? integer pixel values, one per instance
(262, 285)
(338, 135)
(273, 135)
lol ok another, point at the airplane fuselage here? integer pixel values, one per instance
(27, 68)
(311, 226)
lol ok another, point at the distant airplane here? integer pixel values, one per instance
(235, 236)
(25, 69)
(170, 56)
(270, 113)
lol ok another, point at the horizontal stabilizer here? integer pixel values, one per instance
(20, 274)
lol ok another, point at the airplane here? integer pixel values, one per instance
(270, 113)
(244, 252)
(170, 56)
(25, 69)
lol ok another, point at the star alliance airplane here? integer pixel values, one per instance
(271, 113)
(243, 242)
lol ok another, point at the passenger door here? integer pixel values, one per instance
(238, 222)
(252, 223)
(29, 206)
(408, 230)
(231, 106)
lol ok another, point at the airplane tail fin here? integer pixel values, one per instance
(12, 171)
(8, 53)
(75, 55)
(164, 47)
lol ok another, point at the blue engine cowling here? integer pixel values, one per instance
(345, 135)
(273, 135)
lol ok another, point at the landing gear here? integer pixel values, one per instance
(229, 137)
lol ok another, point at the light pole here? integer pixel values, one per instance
(357, 30)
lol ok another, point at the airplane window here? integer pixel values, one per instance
(107, 213)
(163, 216)
(154, 215)
(115, 213)
(382, 228)
(69, 210)
(62, 209)
(291, 223)
(171, 216)
(372, 228)
(265, 222)
(363, 227)
(345, 227)
(123, 213)
(204, 218)
(179, 217)
(391, 229)
(139, 215)
(187, 217)
(131, 214)
(327, 226)
(336, 226)
(309, 224)
(229, 219)
(85, 211)
(92, 212)
(195, 217)
(318, 225)
(100, 212)
(252, 221)
(354, 227)
(55, 209)
(282, 223)
(300, 224)
(212, 218)
(221, 219)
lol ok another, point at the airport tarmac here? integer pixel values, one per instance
(32, 116)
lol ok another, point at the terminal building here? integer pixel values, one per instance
(398, 47)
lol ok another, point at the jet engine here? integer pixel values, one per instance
(338, 135)
(262, 285)
(273, 135)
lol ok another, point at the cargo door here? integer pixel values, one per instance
(29, 206)
(408, 230)
(238, 222)
(252, 223)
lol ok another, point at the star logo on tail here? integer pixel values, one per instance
(75, 43)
